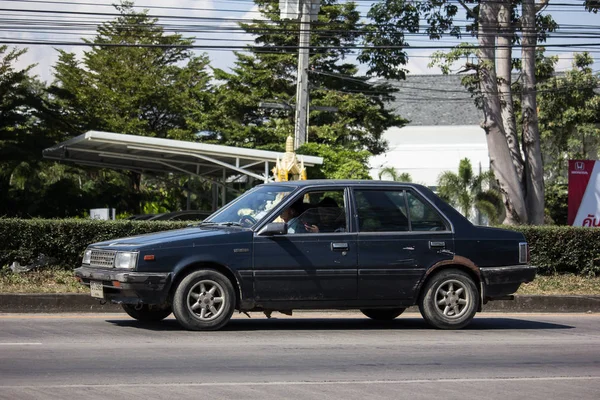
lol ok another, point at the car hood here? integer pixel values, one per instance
(167, 238)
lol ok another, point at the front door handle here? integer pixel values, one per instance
(339, 247)
(437, 245)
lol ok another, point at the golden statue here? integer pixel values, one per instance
(288, 168)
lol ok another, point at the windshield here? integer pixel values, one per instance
(251, 207)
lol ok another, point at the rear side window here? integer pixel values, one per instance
(381, 211)
(395, 211)
(423, 216)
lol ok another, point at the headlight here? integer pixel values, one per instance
(126, 260)
(87, 257)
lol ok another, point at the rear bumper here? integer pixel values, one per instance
(123, 286)
(503, 281)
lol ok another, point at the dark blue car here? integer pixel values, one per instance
(375, 246)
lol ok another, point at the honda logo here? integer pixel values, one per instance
(579, 166)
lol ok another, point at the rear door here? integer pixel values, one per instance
(400, 236)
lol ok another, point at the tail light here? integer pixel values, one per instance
(524, 254)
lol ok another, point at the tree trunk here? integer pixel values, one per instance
(504, 69)
(500, 157)
(534, 169)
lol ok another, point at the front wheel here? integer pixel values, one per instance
(147, 312)
(449, 300)
(382, 314)
(204, 301)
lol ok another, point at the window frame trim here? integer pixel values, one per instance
(447, 222)
(296, 195)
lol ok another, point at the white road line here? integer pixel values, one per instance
(20, 344)
(308, 383)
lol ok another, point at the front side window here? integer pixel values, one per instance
(381, 211)
(316, 212)
(252, 206)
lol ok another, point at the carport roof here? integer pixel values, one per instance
(148, 154)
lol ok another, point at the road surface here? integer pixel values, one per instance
(307, 356)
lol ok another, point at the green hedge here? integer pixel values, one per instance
(555, 250)
(563, 249)
(23, 240)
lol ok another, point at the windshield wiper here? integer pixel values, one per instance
(230, 224)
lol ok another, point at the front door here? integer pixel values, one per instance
(316, 259)
(400, 236)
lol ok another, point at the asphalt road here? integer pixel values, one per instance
(311, 355)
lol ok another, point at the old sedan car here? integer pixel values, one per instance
(375, 246)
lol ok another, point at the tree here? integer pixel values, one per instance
(345, 138)
(569, 121)
(465, 191)
(393, 173)
(135, 80)
(569, 117)
(517, 164)
(28, 123)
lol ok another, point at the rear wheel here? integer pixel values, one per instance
(147, 312)
(204, 300)
(382, 314)
(449, 300)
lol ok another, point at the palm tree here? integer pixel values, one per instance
(464, 191)
(403, 177)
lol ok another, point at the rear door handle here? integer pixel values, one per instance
(437, 245)
(339, 247)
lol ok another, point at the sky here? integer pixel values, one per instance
(23, 21)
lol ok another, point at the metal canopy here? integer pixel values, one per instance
(146, 154)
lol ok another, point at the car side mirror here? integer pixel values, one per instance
(274, 228)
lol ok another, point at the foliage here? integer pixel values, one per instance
(557, 203)
(438, 19)
(465, 191)
(266, 75)
(563, 249)
(569, 113)
(26, 127)
(394, 175)
(65, 240)
(554, 250)
(151, 85)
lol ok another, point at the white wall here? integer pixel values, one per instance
(427, 151)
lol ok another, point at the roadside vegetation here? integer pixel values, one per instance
(60, 280)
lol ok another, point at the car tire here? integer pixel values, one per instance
(382, 314)
(204, 301)
(147, 312)
(449, 300)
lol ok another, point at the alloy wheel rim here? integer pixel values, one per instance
(206, 300)
(452, 299)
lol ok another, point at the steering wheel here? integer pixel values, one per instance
(247, 221)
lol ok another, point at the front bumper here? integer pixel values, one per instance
(503, 281)
(129, 287)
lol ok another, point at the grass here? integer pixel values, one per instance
(58, 280)
(562, 285)
(49, 280)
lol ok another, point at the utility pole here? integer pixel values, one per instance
(301, 123)
(306, 11)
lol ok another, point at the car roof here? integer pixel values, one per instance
(456, 218)
(343, 182)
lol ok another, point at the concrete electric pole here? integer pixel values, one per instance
(308, 11)
(301, 125)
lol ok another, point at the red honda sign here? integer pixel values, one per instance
(584, 193)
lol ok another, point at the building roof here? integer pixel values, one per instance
(142, 153)
(435, 100)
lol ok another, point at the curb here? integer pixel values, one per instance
(68, 303)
